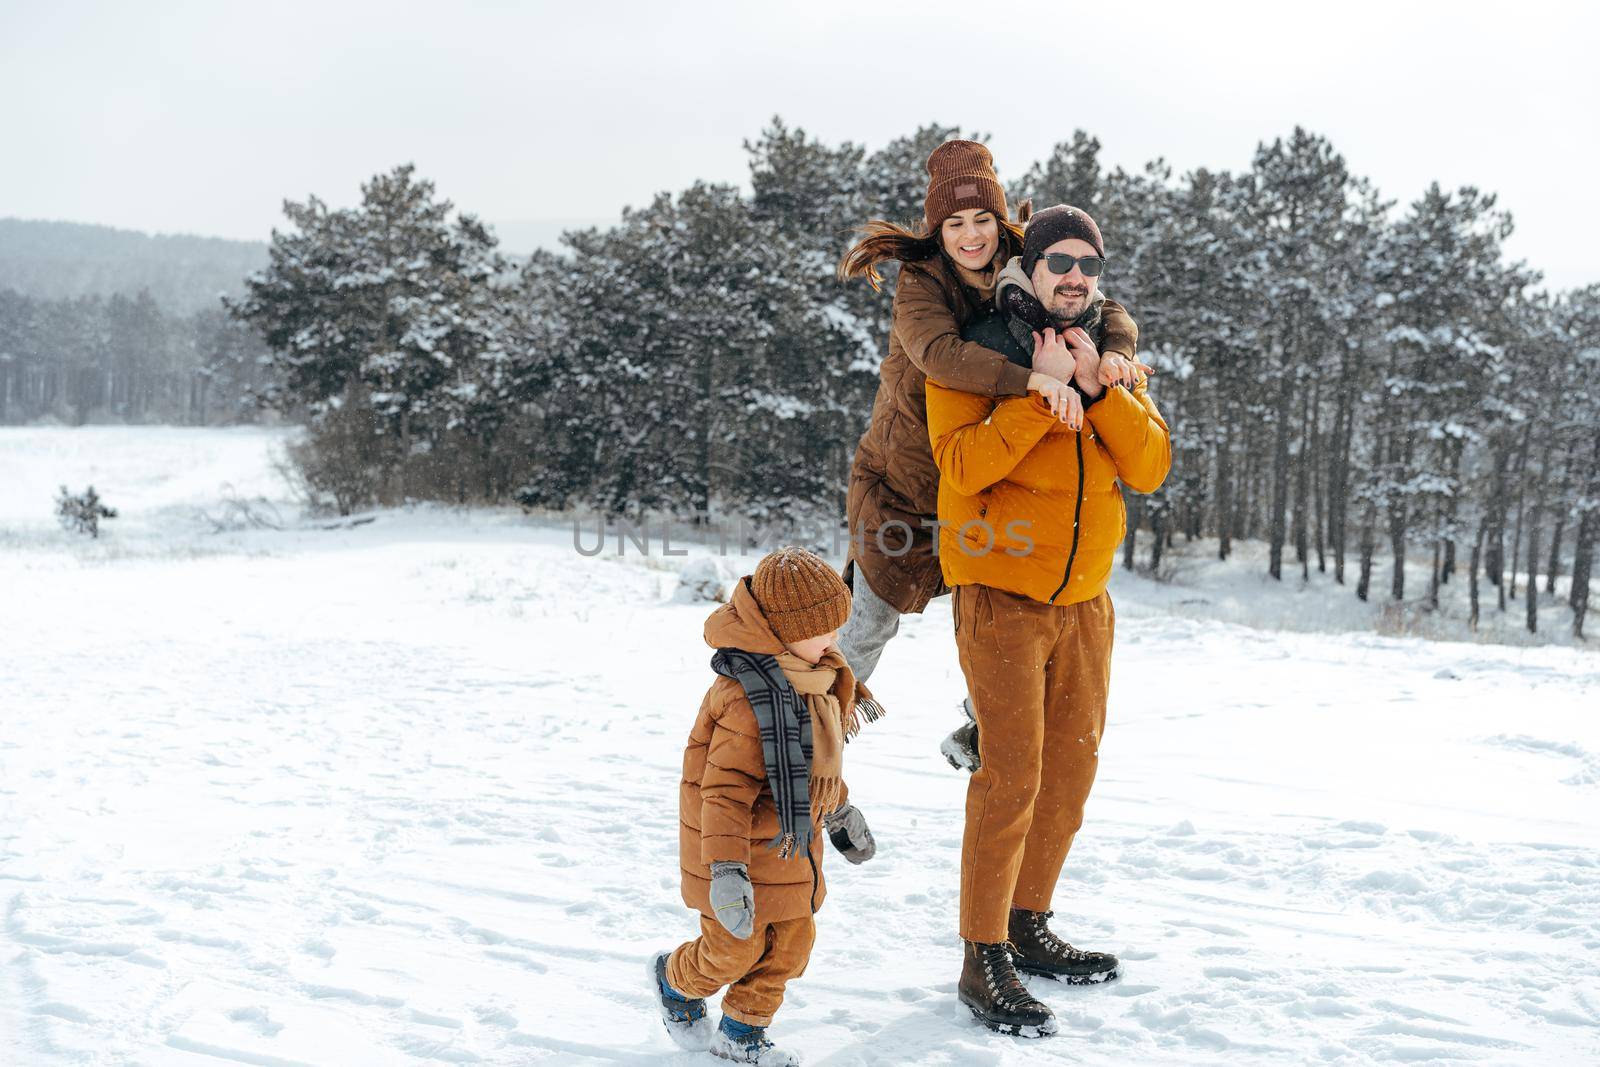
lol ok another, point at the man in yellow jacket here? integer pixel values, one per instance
(1031, 513)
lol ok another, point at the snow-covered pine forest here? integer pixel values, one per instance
(1355, 382)
(1368, 388)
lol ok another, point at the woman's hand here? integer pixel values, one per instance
(1062, 398)
(1086, 361)
(1120, 370)
(1094, 372)
(1051, 355)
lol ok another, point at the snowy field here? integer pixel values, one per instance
(405, 793)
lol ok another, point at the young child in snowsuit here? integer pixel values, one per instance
(761, 781)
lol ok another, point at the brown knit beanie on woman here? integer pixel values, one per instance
(961, 176)
(801, 596)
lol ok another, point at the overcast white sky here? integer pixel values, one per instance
(202, 117)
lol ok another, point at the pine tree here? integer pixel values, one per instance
(1069, 175)
(1444, 256)
(1579, 313)
(1297, 210)
(382, 306)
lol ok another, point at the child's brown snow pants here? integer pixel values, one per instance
(754, 970)
(1038, 674)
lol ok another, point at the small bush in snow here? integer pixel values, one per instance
(339, 464)
(704, 578)
(237, 513)
(84, 512)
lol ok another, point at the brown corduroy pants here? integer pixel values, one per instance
(755, 970)
(1038, 675)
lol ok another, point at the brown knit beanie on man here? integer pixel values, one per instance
(961, 176)
(1054, 224)
(801, 596)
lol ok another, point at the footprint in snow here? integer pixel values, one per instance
(320, 949)
(257, 1019)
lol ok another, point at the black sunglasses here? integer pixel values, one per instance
(1061, 263)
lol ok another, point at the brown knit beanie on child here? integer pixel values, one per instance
(801, 596)
(961, 175)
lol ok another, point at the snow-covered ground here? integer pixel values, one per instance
(406, 792)
(1195, 584)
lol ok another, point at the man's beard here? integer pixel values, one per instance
(1068, 312)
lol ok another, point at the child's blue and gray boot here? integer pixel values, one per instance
(684, 1017)
(743, 1043)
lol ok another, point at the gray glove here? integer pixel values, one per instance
(732, 899)
(847, 829)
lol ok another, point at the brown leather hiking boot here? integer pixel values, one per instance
(1038, 951)
(991, 989)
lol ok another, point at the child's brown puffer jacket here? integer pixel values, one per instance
(725, 806)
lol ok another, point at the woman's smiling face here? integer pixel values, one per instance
(971, 237)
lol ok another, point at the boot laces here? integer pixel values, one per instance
(1037, 926)
(1009, 992)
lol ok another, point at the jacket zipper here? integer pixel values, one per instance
(813, 860)
(1077, 514)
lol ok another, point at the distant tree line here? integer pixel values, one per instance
(123, 359)
(64, 260)
(1343, 379)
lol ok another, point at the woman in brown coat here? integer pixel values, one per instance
(949, 267)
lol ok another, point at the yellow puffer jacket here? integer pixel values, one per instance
(1031, 507)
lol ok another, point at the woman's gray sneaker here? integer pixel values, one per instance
(960, 749)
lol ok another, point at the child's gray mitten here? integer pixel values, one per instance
(732, 899)
(847, 829)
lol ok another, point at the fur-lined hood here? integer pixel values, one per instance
(1012, 274)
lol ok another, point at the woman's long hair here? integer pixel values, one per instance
(882, 240)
